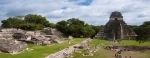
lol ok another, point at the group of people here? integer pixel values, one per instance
(118, 55)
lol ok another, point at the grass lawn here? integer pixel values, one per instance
(40, 51)
(110, 54)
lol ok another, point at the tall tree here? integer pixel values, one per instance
(146, 23)
(75, 27)
(36, 19)
(88, 31)
(28, 22)
(62, 26)
(12, 22)
(96, 29)
(143, 32)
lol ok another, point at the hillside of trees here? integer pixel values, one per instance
(73, 26)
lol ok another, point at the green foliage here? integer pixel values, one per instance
(36, 19)
(28, 22)
(75, 27)
(62, 26)
(96, 29)
(87, 31)
(31, 26)
(12, 22)
(146, 23)
(143, 32)
(52, 25)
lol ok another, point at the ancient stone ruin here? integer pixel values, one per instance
(14, 40)
(116, 28)
(46, 36)
(52, 31)
(100, 34)
(11, 46)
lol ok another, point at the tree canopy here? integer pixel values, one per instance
(12, 22)
(28, 22)
(72, 26)
(143, 31)
(75, 27)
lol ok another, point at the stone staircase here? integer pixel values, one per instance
(100, 34)
(63, 53)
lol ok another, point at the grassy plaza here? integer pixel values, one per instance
(102, 53)
(40, 51)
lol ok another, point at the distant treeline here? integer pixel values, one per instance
(143, 31)
(73, 26)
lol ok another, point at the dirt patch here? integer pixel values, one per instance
(129, 51)
(128, 48)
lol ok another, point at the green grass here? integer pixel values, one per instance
(40, 51)
(110, 54)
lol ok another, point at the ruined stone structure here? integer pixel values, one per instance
(14, 40)
(52, 31)
(46, 36)
(11, 46)
(100, 34)
(117, 29)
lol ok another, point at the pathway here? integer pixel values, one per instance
(63, 53)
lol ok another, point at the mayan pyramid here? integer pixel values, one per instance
(116, 28)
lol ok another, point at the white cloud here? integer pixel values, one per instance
(135, 12)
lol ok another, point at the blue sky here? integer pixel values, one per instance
(95, 12)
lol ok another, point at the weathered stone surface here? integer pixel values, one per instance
(70, 37)
(117, 29)
(65, 52)
(55, 38)
(45, 37)
(47, 42)
(19, 36)
(52, 31)
(11, 46)
(100, 34)
(8, 32)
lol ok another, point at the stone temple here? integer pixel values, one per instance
(116, 28)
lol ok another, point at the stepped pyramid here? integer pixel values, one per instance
(116, 28)
(100, 34)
